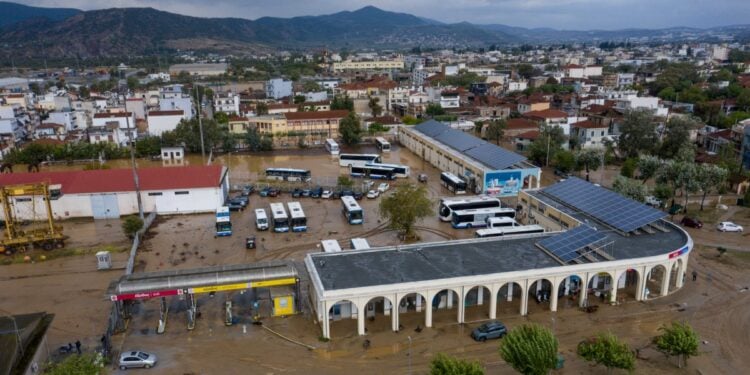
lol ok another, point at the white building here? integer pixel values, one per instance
(163, 121)
(579, 71)
(517, 86)
(228, 103)
(278, 88)
(589, 134)
(450, 99)
(110, 193)
(172, 91)
(67, 119)
(184, 104)
(625, 100)
(121, 122)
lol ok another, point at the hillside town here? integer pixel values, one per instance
(328, 210)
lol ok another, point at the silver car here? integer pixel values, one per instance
(136, 358)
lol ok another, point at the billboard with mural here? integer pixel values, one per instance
(505, 183)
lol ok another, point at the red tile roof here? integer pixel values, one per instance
(521, 123)
(318, 115)
(167, 113)
(112, 114)
(546, 114)
(531, 135)
(121, 180)
(587, 124)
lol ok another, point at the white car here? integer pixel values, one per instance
(728, 226)
(372, 194)
(369, 184)
(327, 194)
(383, 187)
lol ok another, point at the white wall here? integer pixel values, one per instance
(160, 124)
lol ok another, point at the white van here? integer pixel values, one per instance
(261, 219)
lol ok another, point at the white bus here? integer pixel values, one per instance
(401, 171)
(351, 210)
(358, 160)
(382, 144)
(261, 219)
(453, 183)
(371, 171)
(477, 217)
(280, 219)
(332, 146)
(330, 246)
(288, 174)
(223, 222)
(448, 205)
(359, 244)
(508, 231)
(497, 222)
(298, 220)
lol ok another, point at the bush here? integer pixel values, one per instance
(345, 181)
(131, 225)
(628, 167)
(442, 364)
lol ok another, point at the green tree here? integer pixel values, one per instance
(743, 100)
(148, 146)
(708, 178)
(342, 102)
(647, 167)
(677, 135)
(405, 207)
(311, 86)
(677, 339)
(131, 225)
(531, 349)
(662, 192)
(442, 364)
(132, 83)
(434, 109)
(187, 133)
(525, 70)
(411, 120)
(607, 350)
(221, 117)
(630, 188)
(638, 133)
(84, 92)
(261, 108)
(564, 160)
(588, 160)
(36, 89)
(86, 364)
(299, 99)
(345, 181)
(375, 108)
(547, 145)
(496, 130)
(350, 129)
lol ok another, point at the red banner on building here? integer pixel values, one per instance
(144, 295)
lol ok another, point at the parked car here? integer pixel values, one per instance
(264, 191)
(358, 195)
(306, 192)
(675, 209)
(728, 226)
(368, 184)
(242, 199)
(691, 222)
(422, 178)
(383, 187)
(273, 192)
(327, 194)
(316, 193)
(490, 330)
(347, 193)
(247, 190)
(235, 205)
(562, 174)
(654, 201)
(296, 193)
(372, 194)
(136, 359)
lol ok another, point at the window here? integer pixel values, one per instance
(23, 199)
(155, 194)
(181, 192)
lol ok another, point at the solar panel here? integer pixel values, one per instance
(431, 128)
(494, 156)
(566, 245)
(458, 140)
(607, 206)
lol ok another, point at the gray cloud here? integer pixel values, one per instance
(564, 14)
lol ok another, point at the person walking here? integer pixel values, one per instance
(78, 346)
(695, 275)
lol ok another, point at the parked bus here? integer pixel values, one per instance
(359, 244)
(498, 222)
(298, 221)
(477, 217)
(223, 222)
(358, 160)
(399, 170)
(453, 183)
(332, 146)
(280, 219)
(288, 174)
(448, 205)
(261, 219)
(376, 173)
(351, 210)
(330, 246)
(382, 144)
(507, 231)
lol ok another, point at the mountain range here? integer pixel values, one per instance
(59, 32)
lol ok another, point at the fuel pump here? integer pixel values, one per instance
(228, 313)
(163, 309)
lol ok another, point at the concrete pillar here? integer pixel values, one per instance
(640, 289)
(461, 305)
(584, 292)
(567, 286)
(394, 314)
(525, 298)
(361, 320)
(539, 179)
(480, 296)
(449, 300)
(680, 273)
(428, 309)
(613, 294)
(386, 307)
(553, 295)
(665, 280)
(326, 323)
(493, 303)
(418, 302)
(510, 292)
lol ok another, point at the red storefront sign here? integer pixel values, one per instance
(158, 293)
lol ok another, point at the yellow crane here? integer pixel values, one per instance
(20, 238)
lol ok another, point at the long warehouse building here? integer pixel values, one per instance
(598, 244)
(487, 168)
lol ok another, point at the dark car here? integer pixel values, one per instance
(306, 192)
(244, 200)
(235, 205)
(347, 193)
(489, 330)
(317, 192)
(358, 195)
(264, 192)
(296, 193)
(336, 194)
(691, 222)
(273, 192)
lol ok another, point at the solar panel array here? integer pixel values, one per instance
(607, 206)
(566, 245)
(486, 153)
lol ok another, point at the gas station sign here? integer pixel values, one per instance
(144, 295)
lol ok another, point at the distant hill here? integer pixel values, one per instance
(13, 13)
(34, 32)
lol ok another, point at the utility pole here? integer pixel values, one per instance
(200, 122)
(546, 163)
(136, 181)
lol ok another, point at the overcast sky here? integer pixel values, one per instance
(561, 14)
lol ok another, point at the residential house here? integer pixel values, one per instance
(718, 139)
(137, 106)
(516, 126)
(124, 126)
(228, 103)
(528, 105)
(163, 121)
(50, 130)
(524, 140)
(589, 134)
(278, 88)
(548, 117)
(450, 99)
(185, 104)
(68, 119)
(578, 71)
